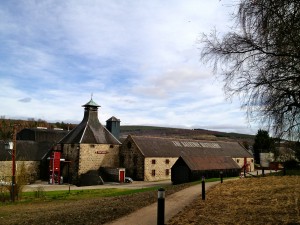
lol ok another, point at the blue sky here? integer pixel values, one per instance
(140, 59)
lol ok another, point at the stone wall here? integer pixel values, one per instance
(158, 168)
(31, 170)
(71, 154)
(132, 160)
(94, 156)
(88, 157)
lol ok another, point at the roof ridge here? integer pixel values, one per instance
(178, 139)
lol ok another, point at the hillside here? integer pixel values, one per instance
(6, 129)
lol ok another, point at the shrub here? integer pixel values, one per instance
(291, 164)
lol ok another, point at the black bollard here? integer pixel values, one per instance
(203, 188)
(221, 176)
(161, 207)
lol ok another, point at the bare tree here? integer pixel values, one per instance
(260, 62)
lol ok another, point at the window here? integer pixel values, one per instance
(129, 145)
(111, 146)
(252, 160)
(237, 160)
(167, 172)
(153, 161)
(167, 161)
(153, 173)
(92, 146)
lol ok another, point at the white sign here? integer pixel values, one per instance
(195, 144)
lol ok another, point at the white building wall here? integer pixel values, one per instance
(250, 163)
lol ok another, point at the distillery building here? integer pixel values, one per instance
(152, 158)
(89, 147)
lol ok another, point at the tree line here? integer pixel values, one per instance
(6, 126)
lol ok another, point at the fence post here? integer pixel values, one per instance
(203, 188)
(161, 207)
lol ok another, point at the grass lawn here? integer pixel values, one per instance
(263, 200)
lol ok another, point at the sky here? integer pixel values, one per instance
(139, 60)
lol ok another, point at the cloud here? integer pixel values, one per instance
(25, 100)
(139, 58)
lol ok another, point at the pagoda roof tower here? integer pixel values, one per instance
(90, 130)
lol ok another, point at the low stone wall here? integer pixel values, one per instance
(31, 170)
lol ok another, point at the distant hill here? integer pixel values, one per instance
(6, 128)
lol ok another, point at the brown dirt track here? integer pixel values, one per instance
(267, 200)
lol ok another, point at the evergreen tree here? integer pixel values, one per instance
(263, 143)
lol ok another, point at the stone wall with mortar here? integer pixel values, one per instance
(132, 160)
(31, 170)
(158, 168)
(88, 157)
(94, 156)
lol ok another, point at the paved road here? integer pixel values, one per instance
(173, 205)
(134, 185)
(56, 187)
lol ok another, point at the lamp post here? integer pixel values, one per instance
(221, 176)
(203, 188)
(161, 207)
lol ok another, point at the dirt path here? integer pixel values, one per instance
(173, 204)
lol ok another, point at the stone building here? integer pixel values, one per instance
(89, 147)
(33, 147)
(151, 158)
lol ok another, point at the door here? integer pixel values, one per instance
(122, 176)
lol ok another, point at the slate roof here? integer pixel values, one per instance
(113, 119)
(170, 147)
(26, 151)
(90, 130)
(209, 162)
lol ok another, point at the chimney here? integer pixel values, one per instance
(113, 126)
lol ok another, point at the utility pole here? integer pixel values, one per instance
(13, 155)
(12, 146)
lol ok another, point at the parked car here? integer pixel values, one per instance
(128, 180)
